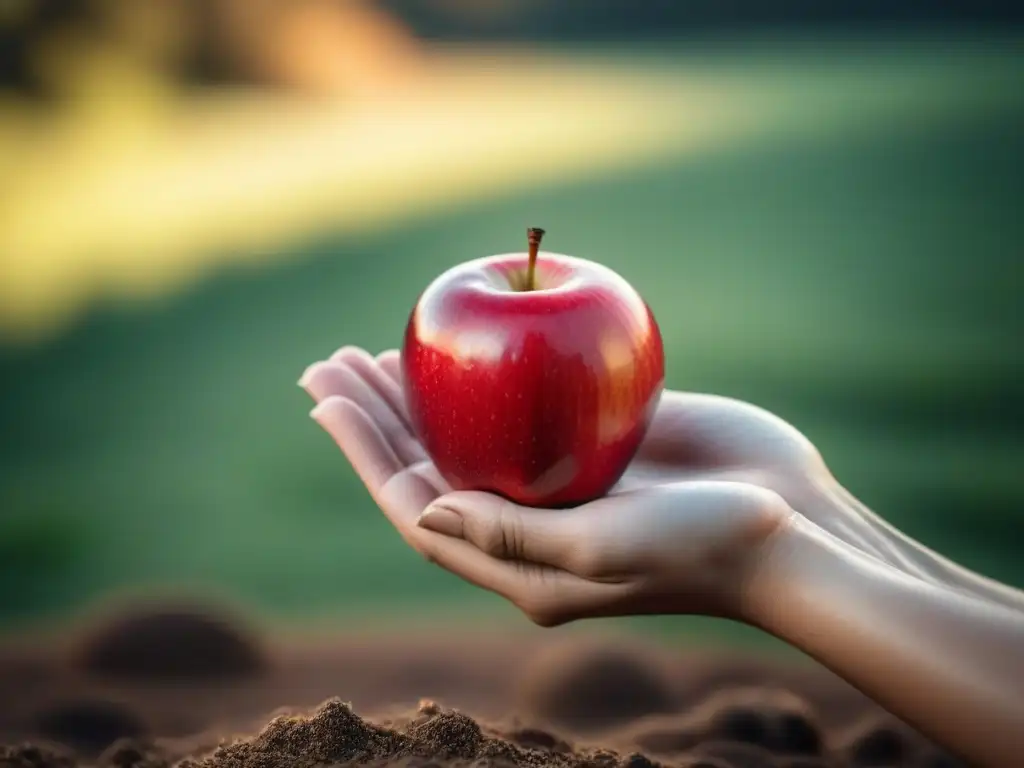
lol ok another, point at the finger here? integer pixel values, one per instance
(391, 363)
(404, 497)
(361, 440)
(508, 531)
(401, 492)
(546, 595)
(360, 361)
(327, 379)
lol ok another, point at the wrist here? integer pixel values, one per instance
(797, 555)
(872, 535)
(850, 522)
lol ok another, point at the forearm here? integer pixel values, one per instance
(892, 546)
(950, 664)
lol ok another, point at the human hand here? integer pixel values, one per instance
(685, 530)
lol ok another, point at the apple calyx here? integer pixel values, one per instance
(533, 238)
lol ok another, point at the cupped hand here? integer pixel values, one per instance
(684, 531)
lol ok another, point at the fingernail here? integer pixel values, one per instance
(319, 411)
(307, 375)
(441, 520)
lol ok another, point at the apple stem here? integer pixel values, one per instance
(533, 237)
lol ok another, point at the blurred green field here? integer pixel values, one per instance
(863, 282)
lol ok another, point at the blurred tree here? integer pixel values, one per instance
(308, 45)
(314, 46)
(618, 19)
(342, 44)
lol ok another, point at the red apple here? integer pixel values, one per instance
(532, 375)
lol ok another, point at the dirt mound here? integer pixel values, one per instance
(89, 725)
(181, 687)
(729, 731)
(335, 735)
(776, 721)
(594, 687)
(171, 643)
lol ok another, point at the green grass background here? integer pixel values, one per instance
(864, 282)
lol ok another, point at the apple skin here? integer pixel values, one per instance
(541, 396)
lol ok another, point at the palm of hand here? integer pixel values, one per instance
(711, 467)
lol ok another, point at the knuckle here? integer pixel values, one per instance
(503, 534)
(543, 614)
(490, 539)
(547, 620)
(542, 602)
(511, 523)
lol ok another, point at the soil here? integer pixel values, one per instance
(191, 687)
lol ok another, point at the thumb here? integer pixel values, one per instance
(506, 530)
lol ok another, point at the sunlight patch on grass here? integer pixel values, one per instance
(142, 190)
(134, 207)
